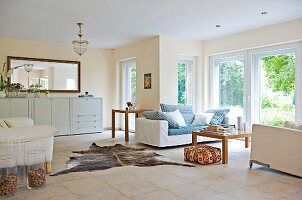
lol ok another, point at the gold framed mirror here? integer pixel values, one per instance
(56, 76)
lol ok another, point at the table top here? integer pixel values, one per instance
(128, 111)
(222, 135)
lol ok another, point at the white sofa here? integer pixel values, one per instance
(278, 148)
(14, 131)
(155, 133)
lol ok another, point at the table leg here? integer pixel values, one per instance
(247, 142)
(126, 127)
(225, 151)
(113, 123)
(194, 139)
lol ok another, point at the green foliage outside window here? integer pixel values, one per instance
(231, 83)
(280, 72)
(133, 84)
(181, 83)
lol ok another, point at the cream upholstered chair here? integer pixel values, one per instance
(16, 132)
(277, 147)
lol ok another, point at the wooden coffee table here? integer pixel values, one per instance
(224, 137)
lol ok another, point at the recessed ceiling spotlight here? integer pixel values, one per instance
(218, 25)
(263, 13)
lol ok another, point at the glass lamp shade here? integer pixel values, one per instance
(80, 46)
(28, 67)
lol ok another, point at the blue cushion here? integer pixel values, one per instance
(186, 111)
(151, 115)
(219, 115)
(185, 130)
(157, 115)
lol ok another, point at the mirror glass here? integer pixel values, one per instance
(52, 75)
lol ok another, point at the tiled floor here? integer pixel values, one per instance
(232, 181)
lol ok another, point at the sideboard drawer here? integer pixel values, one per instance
(86, 118)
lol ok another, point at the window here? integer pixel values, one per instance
(129, 87)
(262, 85)
(186, 67)
(70, 84)
(275, 78)
(228, 84)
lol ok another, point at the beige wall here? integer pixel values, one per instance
(270, 35)
(170, 49)
(146, 53)
(97, 73)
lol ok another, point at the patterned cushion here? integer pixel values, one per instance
(202, 154)
(157, 115)
(151, 115)
(219, 115)
(186, 111)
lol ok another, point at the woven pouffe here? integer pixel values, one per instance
(202, 154)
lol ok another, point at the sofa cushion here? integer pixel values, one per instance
(177, 117)
(157, 115)
(202, 119)
(3, 124)
(184, 130)
(292, 125)
(186, 111)
(219, 115)
(153, 115)
(288, 124)
(18, 122)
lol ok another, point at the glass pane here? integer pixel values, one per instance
(133, 83)
(182, 96)
(185, 82)
(277, 88)
(231, 85)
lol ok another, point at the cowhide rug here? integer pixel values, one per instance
(106, 157)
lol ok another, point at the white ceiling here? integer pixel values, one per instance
(114, 23)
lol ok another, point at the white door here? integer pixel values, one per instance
(129, 88)
(42, 111)
(274, 77)
(60, 115)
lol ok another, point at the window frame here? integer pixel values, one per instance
(191, 62)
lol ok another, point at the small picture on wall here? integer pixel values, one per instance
(147, 81)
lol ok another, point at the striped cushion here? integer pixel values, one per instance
(186, 111)
(219, 115)
(157, 115)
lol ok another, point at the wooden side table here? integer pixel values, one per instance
(225, 139)
(136, 112)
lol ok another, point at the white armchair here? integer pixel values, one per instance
(22, 130)
(278, 148)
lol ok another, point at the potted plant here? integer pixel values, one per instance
(35, 88)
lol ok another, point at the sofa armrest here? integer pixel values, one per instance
(149, 131)
(27, 134)
(278, 147)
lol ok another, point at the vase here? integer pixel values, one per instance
(2, 94)
(36, 169)
(8, 175)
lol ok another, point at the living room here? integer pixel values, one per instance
(155, 45)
